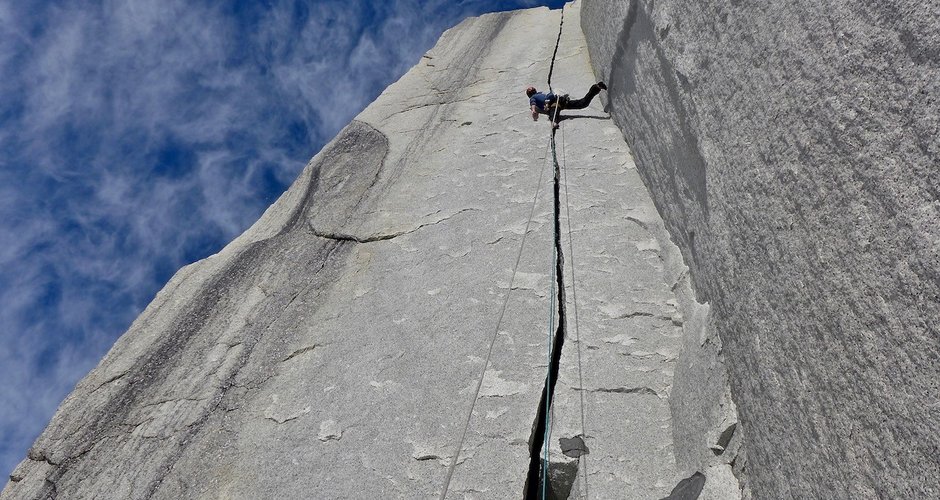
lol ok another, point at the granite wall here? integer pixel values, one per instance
(381, 331)
(792, 150)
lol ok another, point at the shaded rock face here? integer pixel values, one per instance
(335, 349)
(792, 150)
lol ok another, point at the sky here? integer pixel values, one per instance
(139, 136)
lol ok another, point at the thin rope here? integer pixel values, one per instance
(548, 379)
(555, 337)
(499, 322)
(546, 440)
(574, 298)
(548, 383)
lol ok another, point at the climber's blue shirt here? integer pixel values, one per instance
(539, 99)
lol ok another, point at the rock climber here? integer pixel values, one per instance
(542, 103)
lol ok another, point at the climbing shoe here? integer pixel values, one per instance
(601, 85)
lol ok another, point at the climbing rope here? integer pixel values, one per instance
(558, 281)
(574, 298)
(548, 383)
(546, 441)
(555, 338)
(489, 353)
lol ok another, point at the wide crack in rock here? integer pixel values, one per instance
(539, 471)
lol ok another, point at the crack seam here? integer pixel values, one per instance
(338, 236)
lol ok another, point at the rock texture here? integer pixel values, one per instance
(780, 220)
(334, 349)
(792, 150)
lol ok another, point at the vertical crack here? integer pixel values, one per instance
(538, 468)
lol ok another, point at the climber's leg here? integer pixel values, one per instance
(586, 100)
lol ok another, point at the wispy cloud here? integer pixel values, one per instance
(139, 136)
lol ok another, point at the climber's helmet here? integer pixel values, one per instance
(530, 91)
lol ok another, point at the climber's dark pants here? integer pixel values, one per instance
(581, 103)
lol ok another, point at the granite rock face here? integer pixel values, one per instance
(792, 150)
(335, 348)
(780, 219)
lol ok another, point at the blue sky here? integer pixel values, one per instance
(139, 136)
